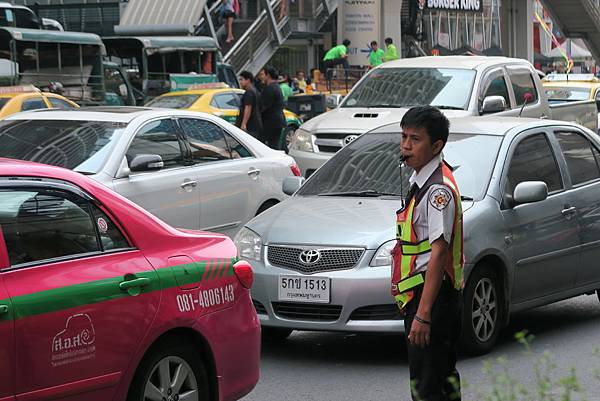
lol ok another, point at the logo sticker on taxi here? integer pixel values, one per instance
(75, 342)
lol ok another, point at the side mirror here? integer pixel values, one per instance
(529, 192)
(123, 90)
(332, 101)
(493, 104)
(146, 162)
(292, 184)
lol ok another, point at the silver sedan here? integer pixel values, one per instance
(530, 191)
(193, 170)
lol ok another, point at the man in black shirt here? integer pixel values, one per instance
(249, 118)
(273, 120)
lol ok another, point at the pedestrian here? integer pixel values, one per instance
(249, 117)
(273, 120)
(300, 81)
(229, 13)
(259, 81)
(337, 55)
(391, 53)
(427, 273)
(284, 84)
(376, 55)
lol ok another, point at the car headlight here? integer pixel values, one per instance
(249, 244)
(383, 256)
(302, 141)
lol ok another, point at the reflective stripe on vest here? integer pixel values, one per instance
(410, 247)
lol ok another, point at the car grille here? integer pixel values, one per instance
(260, 308)
(312, 312)
(330, 143)
(331, 258)
(376, 312)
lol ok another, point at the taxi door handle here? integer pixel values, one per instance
(133, 285)
(3, 309)
(191, 183)
(136, 282)
(254, 171)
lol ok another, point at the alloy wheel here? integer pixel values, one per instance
(484, 315)
(172, 379)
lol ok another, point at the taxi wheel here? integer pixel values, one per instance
(275, 333)
(170, 372)
(482, 311)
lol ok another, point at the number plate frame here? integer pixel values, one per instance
(311, 289)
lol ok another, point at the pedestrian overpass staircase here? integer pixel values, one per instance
(262, 29)
(578, 19)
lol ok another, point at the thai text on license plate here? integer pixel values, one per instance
(304, 289)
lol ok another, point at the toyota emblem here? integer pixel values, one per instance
(309, 257)
(349, 139)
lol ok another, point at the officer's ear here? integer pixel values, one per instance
(438, 146)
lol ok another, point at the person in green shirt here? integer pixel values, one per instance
(337, 55)
(284, 84)
(391, 53)
(376, 55)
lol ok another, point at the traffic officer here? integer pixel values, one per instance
(427, 274)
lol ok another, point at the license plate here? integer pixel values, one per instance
(304, 289)
(305, 107)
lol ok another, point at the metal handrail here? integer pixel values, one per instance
(253, 29)
(216, 5)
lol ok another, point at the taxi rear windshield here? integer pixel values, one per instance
(83, 146)
(3, 101)
(174, 102)
(567, 93)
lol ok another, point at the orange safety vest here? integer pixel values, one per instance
(404, 254)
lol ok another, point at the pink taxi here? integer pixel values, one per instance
(99, 300)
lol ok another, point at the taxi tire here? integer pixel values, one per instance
(163, 350)
(274, 334)
(483, 277)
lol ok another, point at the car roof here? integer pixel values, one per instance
(122, 114)
(201, 91)
(23, 168)
(465, 62)
(488, 125)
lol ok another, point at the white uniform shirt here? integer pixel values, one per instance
(433, 216)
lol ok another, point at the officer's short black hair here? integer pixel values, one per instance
(247, 75)
(346, 42)
(431, 118)
(374, 43)
(272, 72)
(388, 41)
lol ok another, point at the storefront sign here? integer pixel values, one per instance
(359, 21)
(454, 5)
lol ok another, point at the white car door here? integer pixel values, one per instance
(170, 193)
(228, 176)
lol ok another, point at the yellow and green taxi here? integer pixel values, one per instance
(572, 87)
(217, 99)
(14, 99)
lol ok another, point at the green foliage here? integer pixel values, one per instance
(504, 386)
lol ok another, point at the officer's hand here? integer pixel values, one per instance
(419, 334)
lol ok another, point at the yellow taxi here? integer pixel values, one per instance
(572, 87)
(217, 99)
(14, 99)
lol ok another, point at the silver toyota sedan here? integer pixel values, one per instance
(193, 170)
(530, 192)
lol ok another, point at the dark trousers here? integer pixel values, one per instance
(433, 373)
(330, 64)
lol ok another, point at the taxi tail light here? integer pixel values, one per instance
(243, 272)
(295, 170)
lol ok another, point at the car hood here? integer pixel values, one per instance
(335, 221)
(360, 120)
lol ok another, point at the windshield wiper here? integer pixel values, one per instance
(443, 107)
(366, 193)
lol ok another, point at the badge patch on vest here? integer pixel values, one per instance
(440, 198)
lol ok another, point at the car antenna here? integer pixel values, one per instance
(528, 98)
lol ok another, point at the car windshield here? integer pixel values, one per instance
(446, 88)
(369, 166)
(567, 93)
(3, 101)
(82, 146)
(174, 102)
